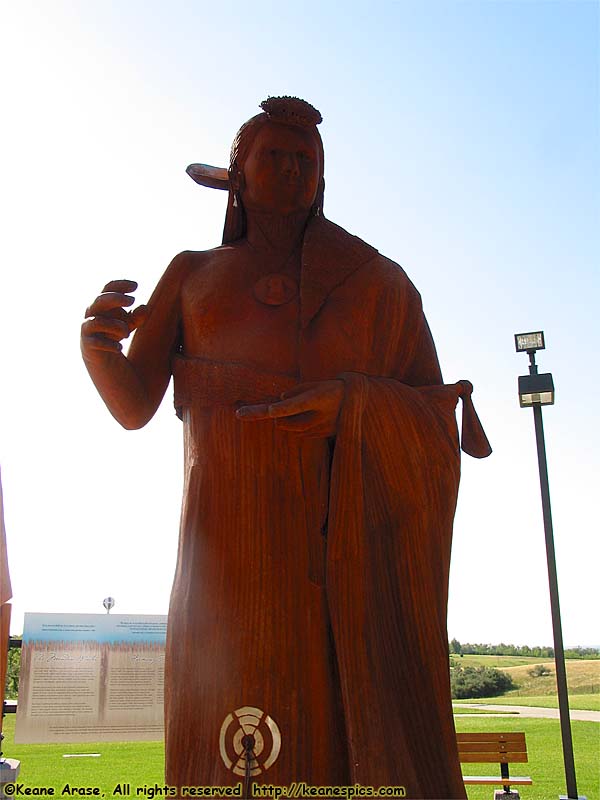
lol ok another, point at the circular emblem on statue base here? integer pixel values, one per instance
(249, 741)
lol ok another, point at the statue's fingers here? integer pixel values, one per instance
(109, 301)
(137, 317)
(296, 390)
(112, 328)
(260, 411)
(299, 423)
(122, 286)
(100, 342)
(115, 313)
(297, 404)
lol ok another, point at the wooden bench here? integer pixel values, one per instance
(494, 748)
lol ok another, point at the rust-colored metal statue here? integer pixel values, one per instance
(5, 608)
(307, 627)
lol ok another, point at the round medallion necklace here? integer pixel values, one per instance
(275, 289)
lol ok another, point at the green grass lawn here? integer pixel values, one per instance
(583, 677)
(137, 763)
(500, 662)
(583, 681)
(141, 763)
(545, 766)
(583, 702)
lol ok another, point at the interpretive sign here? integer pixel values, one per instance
(91, 678)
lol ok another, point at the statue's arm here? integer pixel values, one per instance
(132, 386)
(423, 367)
(403, 328)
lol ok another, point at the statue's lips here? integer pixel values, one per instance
(291, 181)
(285, 187)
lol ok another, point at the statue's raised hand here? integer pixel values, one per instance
(107, 321)
(310, 409)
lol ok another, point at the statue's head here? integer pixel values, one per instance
(276, 164)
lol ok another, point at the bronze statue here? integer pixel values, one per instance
(307, 627)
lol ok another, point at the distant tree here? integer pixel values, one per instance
(471, 682)
(503, 649)
(456, 647)
(582, 652)
(12, 673)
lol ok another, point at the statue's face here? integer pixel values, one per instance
(281, 171)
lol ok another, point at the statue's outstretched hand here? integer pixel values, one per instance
(107, 321)
(310, 409)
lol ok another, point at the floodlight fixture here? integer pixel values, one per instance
(536, 389)
(529, 342)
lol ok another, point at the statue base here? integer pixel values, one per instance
(9, 771)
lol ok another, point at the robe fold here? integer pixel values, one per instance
(307, 627)
(395, 478)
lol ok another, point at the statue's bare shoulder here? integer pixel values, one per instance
(187, 271)
(207, 260)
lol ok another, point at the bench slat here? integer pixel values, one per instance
(517, 736)
(484, 780)
(491, 747)
(493, 758)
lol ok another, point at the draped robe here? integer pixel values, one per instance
(309, 601)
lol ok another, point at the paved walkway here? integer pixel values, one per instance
(526, 711)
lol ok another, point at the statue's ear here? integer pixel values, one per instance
(237, 180)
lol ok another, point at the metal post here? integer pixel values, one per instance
(559, 655)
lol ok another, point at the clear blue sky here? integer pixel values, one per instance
(461, 140)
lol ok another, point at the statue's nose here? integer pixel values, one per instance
(290, 164)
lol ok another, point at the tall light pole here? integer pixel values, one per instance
(537, 390)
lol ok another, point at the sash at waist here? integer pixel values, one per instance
(203, 383)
